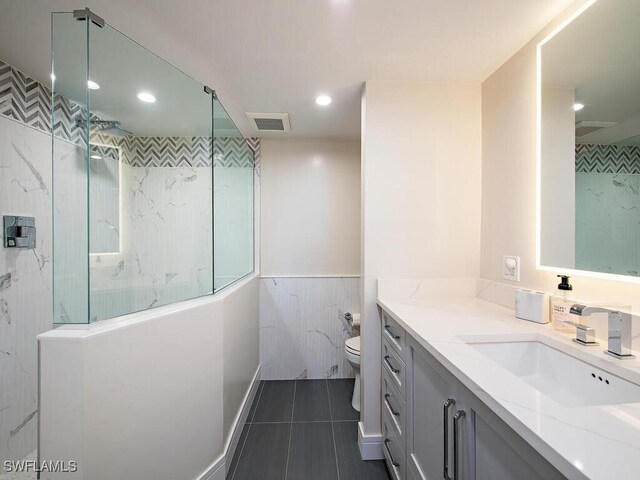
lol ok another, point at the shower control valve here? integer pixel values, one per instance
(19, 232)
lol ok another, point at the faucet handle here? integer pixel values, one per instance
(585, 335)
(620, 335)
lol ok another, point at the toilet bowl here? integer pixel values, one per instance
(352, 349)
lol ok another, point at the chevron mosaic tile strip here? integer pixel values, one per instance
(232, 152)
(607, 159)
(23, 99)
(104, 151)
(28, 101)
(68, 120)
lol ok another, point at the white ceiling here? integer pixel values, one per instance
(597, 56)
(277, 55)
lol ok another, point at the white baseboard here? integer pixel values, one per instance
(241, 418)
(370, 445)
(217, 470)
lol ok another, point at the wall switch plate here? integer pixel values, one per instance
(511, 268)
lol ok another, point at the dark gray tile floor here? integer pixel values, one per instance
(302, 430)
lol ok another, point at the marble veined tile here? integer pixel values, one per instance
(25, 284)
(608, 222)
(167, 246)
(15, 475)
(302, 328)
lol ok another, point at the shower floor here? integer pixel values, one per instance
(33, 456)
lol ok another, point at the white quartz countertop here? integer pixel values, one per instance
(591, 441)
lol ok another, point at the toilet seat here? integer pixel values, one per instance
(352, 345)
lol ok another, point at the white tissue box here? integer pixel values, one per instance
(532, 306)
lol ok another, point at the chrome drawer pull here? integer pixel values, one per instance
(394, 370)
(386, 400)
(447, 404)
(393, 462)
(456, 418)
(393, 335)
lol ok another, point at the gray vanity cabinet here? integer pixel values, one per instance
(500, 453)
(434, 428)
(451, 434)
(438, 430)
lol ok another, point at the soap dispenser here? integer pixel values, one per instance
(560, 306)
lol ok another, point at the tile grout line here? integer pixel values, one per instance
(333, 432)
(293, 409)
(306, 421)
(248, 432)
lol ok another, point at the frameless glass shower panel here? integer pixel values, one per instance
(150, 179)
(151, 205)
(70, 173)
(233, 200)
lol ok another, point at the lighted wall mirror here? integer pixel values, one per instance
(589, 143)
(105, 200)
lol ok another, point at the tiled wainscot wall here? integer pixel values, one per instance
(302, 326)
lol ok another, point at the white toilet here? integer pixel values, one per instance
(352, 349)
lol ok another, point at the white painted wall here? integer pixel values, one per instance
(151, 395)
(241, 348)
(310, 207)
(421, 169)
(509, 180)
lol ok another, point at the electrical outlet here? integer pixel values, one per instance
(511, 268)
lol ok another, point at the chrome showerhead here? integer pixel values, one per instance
(110, 127)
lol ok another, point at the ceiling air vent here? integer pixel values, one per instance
(270, 122)
(586, 127)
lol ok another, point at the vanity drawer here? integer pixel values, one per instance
(394, 405)
(394, 334)
(394, 366)
(393, 450)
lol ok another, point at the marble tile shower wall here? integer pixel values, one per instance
(608, 192)
(302, 328)
(143, 275)
(602, 200)
(158, 200)
(25, 275)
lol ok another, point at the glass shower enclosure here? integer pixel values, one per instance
(153, 184)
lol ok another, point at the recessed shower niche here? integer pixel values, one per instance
(153, 192)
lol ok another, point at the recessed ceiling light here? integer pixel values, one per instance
(96, 157)
(323, 100)
(92, 85)
(577, 107)
(146, 97)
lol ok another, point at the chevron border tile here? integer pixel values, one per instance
(105, 151)
(607, 159)
(23, 99)
(28, 101)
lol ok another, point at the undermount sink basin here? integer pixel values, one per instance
(561, 377)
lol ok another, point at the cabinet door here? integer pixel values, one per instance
(503, 455)
(429, 388)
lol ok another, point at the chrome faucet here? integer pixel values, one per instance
(619, 339)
